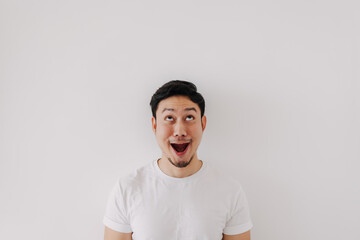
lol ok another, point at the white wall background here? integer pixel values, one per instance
(281, 80)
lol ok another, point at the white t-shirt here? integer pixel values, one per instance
(155, 206)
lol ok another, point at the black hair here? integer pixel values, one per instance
(177, 88)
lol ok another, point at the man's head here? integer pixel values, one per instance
(178, 121)
(177, 88)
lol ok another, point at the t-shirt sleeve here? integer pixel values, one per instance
(239, 221)
(116, 216)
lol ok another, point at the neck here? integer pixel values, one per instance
(172, 171)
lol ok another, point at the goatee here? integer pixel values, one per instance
(181, 164)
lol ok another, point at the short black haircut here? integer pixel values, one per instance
(177, 88)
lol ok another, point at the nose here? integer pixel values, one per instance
(179, 129)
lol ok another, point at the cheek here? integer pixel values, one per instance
(196, 131)
(163, 132)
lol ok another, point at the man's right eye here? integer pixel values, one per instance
(169, 118)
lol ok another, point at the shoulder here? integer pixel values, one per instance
(229, 184)
(220, 176)
(137, 178)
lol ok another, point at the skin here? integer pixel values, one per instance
(242, 236)
(114, 235)
(178, 120)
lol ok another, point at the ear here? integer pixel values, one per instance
(153, 124)
(203, 122)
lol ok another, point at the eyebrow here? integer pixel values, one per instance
(186, 109)
(190, 109)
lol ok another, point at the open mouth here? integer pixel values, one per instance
(179, 147)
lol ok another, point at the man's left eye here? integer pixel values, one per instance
(189, 118)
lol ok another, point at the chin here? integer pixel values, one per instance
(181, 163)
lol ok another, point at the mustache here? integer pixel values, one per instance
(180, 139)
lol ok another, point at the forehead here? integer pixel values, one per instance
(177, 103)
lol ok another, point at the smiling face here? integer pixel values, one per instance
(178, 128)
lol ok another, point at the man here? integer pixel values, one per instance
(177, 197)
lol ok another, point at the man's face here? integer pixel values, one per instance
(178, 129)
